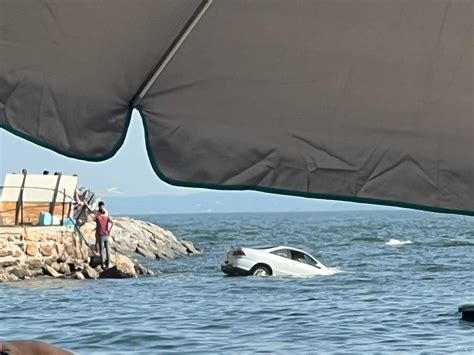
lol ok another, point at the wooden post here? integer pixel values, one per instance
(21, 206)
(19, 203)
(62, 210)
(55, 196)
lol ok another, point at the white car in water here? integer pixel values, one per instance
(279, 261)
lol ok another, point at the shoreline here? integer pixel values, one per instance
(35, 252)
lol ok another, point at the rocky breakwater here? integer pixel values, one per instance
(53, 251)
(134, 237)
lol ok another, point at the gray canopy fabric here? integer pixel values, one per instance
(359, 100)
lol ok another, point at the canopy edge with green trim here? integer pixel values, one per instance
(356, 100)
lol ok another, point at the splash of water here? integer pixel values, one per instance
(395, 242)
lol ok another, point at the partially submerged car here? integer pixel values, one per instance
(279, 261)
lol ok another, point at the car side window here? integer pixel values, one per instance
(297, 256)
(281, 252)
(303, 258)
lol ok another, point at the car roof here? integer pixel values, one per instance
(270, 249)
(290, 248)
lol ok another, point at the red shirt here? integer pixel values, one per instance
(102, 224)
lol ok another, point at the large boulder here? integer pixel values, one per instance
(90, 273)
(190, 247)
(6, 277)
(143, 251)
(64, 268)
(55, 265)
(78, 275)
(23, 273)
(49, 270)
(141, 270)
(95, 260)
(123, 268)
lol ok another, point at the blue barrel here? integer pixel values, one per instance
(45, 219)
(69, 222)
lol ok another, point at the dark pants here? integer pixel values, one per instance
(104, 244)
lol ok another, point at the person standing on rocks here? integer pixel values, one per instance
(103, 227)
(95, 210)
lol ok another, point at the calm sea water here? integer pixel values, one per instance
(391, 297)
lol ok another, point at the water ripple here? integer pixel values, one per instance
(387, 300)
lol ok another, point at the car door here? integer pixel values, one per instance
(281, 263)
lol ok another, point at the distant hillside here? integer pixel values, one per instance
(226, 202)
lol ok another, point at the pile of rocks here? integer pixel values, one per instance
(132, 236)
(27, 252)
